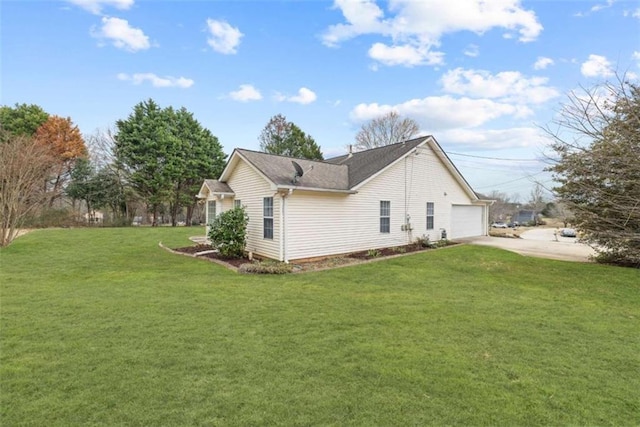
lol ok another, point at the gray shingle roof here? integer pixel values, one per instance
(280, 171)
(364, 164)
(339, 173)
(216, 186)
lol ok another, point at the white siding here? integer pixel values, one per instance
(251, 188)
(324, 224)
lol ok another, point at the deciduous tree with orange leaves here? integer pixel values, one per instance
(66, 145)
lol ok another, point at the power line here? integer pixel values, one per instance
(508, 182)
(493, 158)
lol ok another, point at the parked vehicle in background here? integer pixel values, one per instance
(514, 224)
(568, 232)
(499, 225)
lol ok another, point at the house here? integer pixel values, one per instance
(525, 217)
(383, 197)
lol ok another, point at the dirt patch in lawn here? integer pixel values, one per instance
(208, 252)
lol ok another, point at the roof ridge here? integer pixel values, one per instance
(280, 155)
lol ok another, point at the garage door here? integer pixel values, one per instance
(466, 221)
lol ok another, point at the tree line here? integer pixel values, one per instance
(152, 162)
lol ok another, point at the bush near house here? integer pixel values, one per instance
(228, 232)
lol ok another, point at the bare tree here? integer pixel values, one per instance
(385, 130)
(562, 212)
(597, 166)
(24, 165)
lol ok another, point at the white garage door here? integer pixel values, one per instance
(466, 221)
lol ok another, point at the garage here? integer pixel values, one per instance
(467, 221)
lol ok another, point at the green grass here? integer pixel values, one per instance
(101, 326)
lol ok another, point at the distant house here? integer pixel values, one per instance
(382, 197)
(525, 217)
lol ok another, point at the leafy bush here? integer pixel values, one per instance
(424, 241)
(266, 267)
(228, 232)
(373, 253)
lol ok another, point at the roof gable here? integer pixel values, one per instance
(279, 171)
(365, 164)
(213, 186)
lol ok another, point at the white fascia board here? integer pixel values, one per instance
(433, 144)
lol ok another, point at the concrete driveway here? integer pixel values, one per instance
(541, 243)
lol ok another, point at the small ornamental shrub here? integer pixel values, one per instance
(266, 267)
(424, 241)
(373, 253)
(228, 232)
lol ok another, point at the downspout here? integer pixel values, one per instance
(284, 256)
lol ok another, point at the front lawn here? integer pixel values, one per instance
(101, 326)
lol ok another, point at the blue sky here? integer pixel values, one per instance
(480, 76)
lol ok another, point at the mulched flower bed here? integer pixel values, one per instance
(382, 252)
(235, 262)
(321, 264)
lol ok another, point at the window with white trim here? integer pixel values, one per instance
(385, 216)
(267, 215)
(211, 211)
(430, 215)
(237, 203)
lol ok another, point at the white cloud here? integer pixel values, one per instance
(96, 6)
(597, 66)
(472, 50)
(601, 6)
(517, 137)
(542, 62)
(420, 25)
(122, 35)
(405, 55)
(223, 38)
(246, 93)
(436, 113)
(304, 96)
(508, 86)
(156, 81)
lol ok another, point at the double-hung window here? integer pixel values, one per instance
(267, 215)
(237, 203)
(211, 211)
(430, 211)
(385, 216)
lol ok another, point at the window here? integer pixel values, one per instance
(430, 210)
(267, 214)
(385, 216)
(211, 211)
(237, 203)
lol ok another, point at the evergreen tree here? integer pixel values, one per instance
(167, 155)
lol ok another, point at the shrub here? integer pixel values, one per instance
(228, 232)
(266, 267)
(424, 241)
(373, 253)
